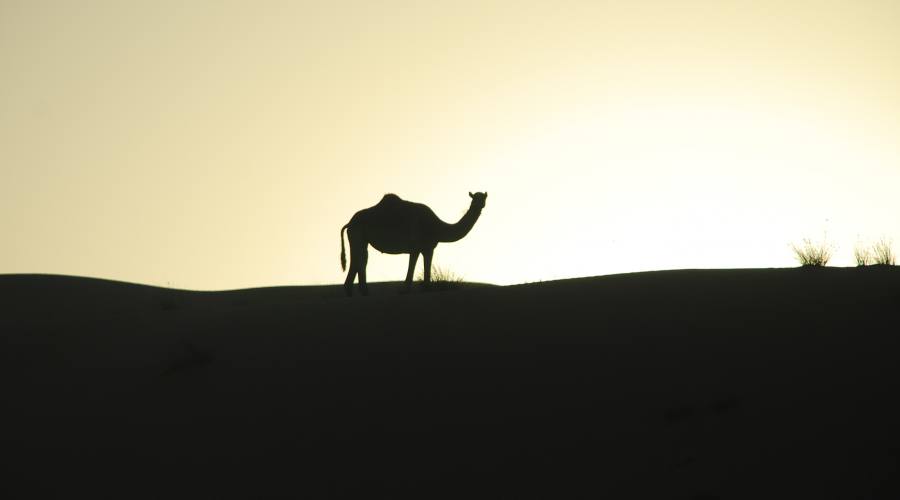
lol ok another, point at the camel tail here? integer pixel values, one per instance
(343, 254)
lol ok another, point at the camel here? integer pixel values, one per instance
(396, 226)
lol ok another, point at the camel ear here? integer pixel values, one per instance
(471, 195)
(485, 195)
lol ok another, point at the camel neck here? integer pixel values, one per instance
(455, 232)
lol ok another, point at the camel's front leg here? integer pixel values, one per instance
(413, 258)
(426, 256)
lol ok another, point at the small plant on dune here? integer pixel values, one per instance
(862, 255)
(883, 253)
(442, 278)
(811, 254)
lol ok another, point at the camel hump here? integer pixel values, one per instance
(390, 199)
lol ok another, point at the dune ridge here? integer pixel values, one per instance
(749, 383)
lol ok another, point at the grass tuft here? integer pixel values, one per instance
(442, 279)
(863, 256)
(883, 253)
(811, 254)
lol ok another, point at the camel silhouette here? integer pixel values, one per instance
(397, 226)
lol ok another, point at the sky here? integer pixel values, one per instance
(222, 144)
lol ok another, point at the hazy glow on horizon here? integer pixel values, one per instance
(214, 145)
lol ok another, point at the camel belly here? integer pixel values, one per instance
(394, 248)
(397, 244)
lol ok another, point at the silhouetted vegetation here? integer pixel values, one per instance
(811, 254)
(442, 279)
(881, 253)
(862, 255)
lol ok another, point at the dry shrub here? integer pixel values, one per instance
(813, 254)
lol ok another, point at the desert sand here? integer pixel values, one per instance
(694, 384)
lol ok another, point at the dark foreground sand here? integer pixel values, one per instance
(730, 384)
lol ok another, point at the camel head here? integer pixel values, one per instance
(478, 199)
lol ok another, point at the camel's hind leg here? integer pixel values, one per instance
(351, 276)
(358, 258)
(363, 253)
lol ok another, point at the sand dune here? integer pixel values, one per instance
(757, 383)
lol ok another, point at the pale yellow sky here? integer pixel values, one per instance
(211, 145)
